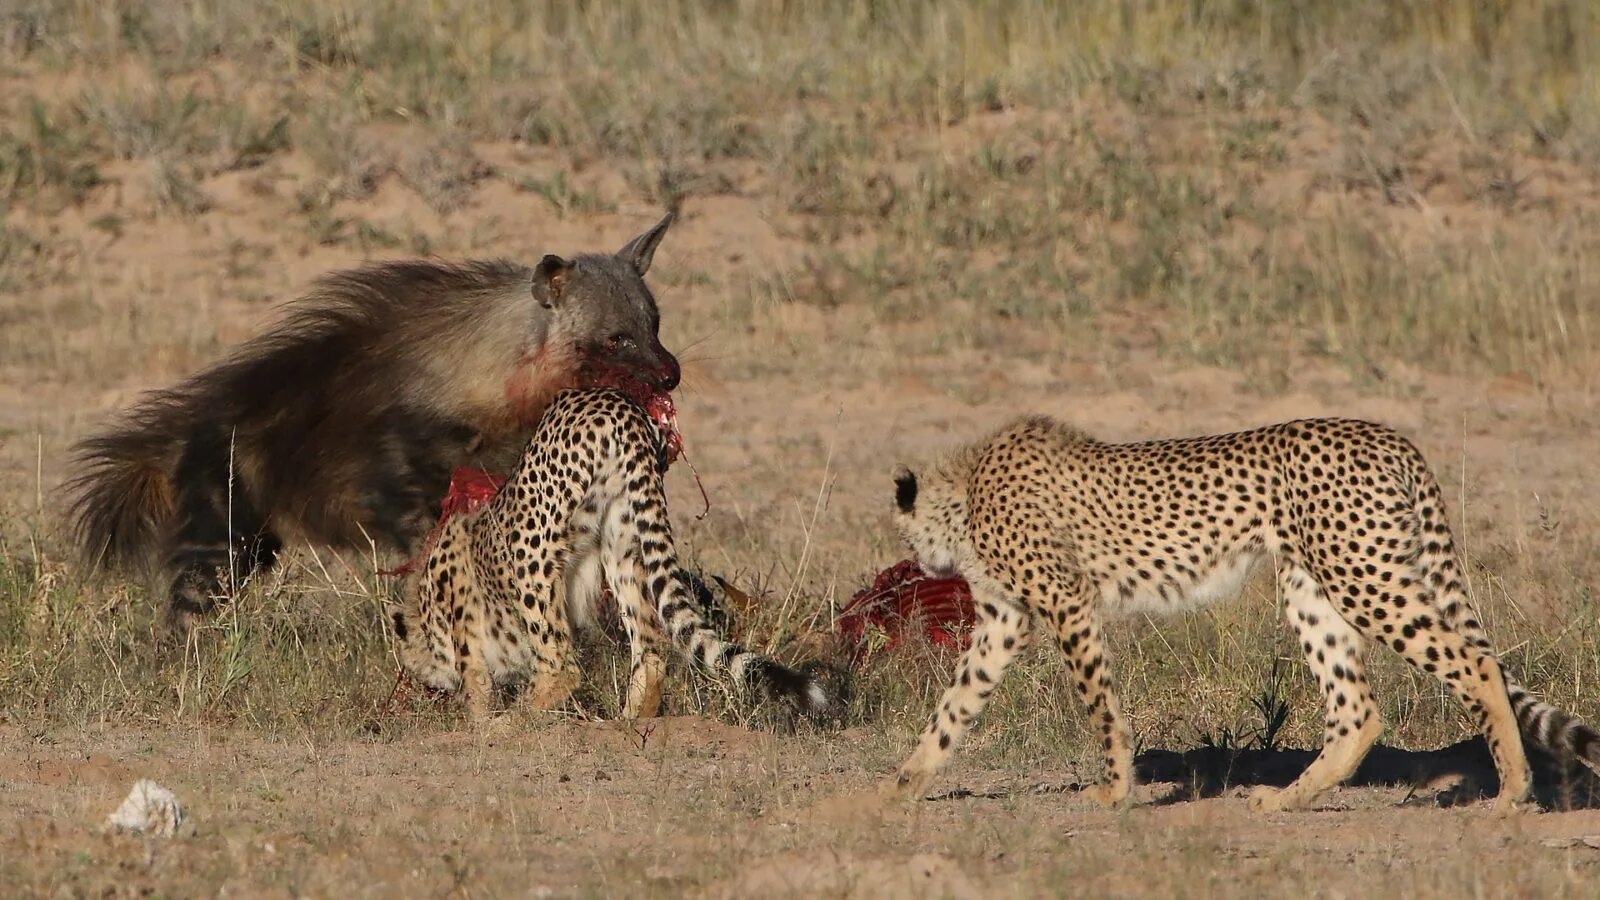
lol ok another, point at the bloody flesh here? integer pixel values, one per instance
(656, 403)
(901, 595)
(470, 488)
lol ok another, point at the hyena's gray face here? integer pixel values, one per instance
(602, 303)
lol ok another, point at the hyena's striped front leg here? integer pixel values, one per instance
(1002, 632)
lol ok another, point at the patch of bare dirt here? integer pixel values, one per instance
(562, 809)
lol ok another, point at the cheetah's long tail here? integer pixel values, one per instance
(1552, 727)
(1548, 726)
(748, 669)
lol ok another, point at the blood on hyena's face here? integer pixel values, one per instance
(608, 311)
(623, 334)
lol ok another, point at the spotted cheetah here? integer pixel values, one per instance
(1044, 520)
(504, 586)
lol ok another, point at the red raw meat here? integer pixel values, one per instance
(469, 489)
(904, 593)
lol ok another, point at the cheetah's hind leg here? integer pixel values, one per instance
(619, 550)
(542, 595)
(423, 626)
(1066, 600)
(555, 672)
(1431, 642)
(472, 597)
(1333, 649)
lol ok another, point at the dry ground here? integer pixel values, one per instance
(697, 807)
(1146, 226)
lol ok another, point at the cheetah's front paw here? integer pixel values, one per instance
(492, 724)
(907, 786)
(1106, 794)
(1271, 799)
(550, 690)
(1510, 805)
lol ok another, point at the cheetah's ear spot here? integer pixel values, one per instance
(905, 490)
(400, 626)
(550, 278)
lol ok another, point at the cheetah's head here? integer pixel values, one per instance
(929, 515)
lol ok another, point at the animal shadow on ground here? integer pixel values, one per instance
(1458, 774)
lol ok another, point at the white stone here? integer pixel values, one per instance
(149, 809)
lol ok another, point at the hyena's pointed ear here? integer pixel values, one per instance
(642, 249)
(905, 490)
(550, 279)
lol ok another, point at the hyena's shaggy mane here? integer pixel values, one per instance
(372, 371)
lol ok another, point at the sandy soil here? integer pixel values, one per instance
(687, 806)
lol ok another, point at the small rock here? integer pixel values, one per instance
(148, 809)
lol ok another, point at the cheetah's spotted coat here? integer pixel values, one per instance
(504, 586)
(1045, 521)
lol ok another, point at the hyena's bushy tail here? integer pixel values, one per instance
(122, 501)
(1548, 726)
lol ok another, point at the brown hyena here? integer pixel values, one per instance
(342, 423)
(1052, 526)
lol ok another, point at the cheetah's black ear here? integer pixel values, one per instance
(400, 626)
(905, 490)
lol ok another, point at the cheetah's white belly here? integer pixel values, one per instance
(1169, 595)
